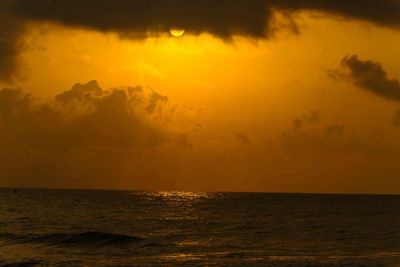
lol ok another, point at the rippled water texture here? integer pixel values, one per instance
(120, 228)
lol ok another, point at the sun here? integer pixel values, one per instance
(177, 32)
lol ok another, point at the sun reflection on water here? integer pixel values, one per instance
(183, 195)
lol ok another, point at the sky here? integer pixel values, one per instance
(257, 95)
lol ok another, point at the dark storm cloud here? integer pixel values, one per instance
(381, 12)
(371, 76)
(222, 18)
(130, 18)
(139, 18)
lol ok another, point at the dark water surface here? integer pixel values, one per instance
(120, 228)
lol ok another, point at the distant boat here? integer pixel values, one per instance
(15, 191)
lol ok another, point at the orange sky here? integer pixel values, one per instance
(279, 114)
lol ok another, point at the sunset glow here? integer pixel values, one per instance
(200, 133)
(235, 105)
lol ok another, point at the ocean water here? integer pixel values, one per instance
(122, 228)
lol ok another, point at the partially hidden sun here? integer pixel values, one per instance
(177, 32)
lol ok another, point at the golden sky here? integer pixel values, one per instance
(291, 98)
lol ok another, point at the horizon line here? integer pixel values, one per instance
(198, 191)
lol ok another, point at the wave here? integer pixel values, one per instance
(23, 263)
(96, 239)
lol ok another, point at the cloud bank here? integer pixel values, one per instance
(128, 137)
(86, 133)
(139, 18)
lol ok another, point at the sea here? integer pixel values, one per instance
(137, 228)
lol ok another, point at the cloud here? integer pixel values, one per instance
(183, 141)
(330, 140)
(396, 119)
(297, 123)
(86, 128)
(311, 117)
(381, 12)
(155, 98)
(84, 116)
(80, 92)
(243, 138)
(370, 76)
(334, 130)
(326, 138)
(11, 29)
(222, 18)
(141, 18)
